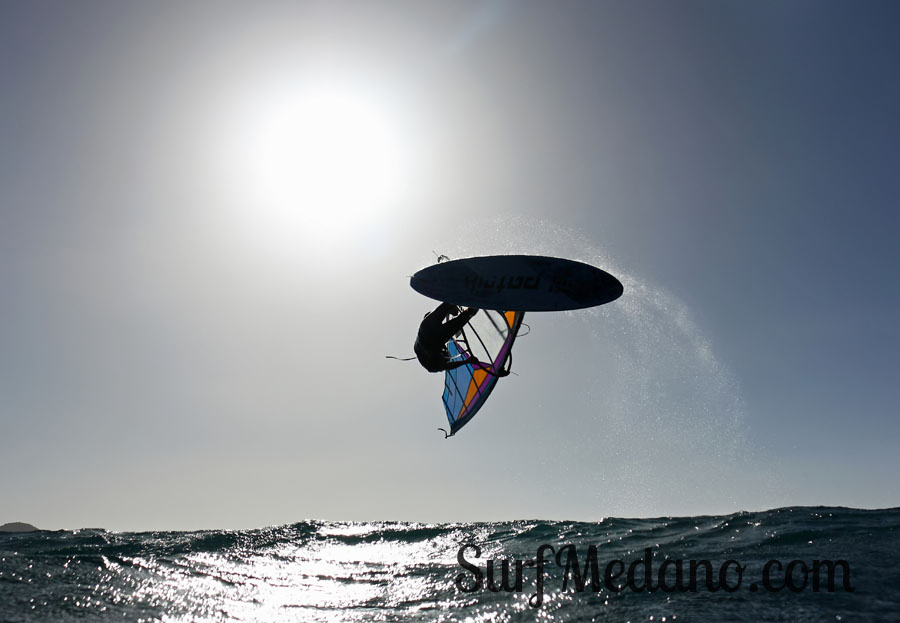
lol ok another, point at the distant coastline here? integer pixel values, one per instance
(17, 526)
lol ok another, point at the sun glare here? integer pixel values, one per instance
(315, 165)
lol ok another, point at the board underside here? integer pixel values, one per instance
(517, 282)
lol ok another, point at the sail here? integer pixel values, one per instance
(487, 340)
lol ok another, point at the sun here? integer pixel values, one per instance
(333, 155)
(316, 164)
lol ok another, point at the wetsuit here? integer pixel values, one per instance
(434, 333)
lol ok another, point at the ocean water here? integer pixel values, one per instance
(789, 564)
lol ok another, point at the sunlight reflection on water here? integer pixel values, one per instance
(345, 572)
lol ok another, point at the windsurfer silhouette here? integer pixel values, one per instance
(434, 333)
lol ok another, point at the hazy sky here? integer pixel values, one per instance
(209, 213)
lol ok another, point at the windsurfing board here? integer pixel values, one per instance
(517, 282)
